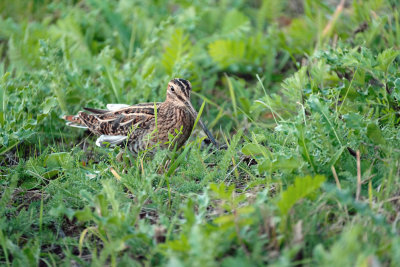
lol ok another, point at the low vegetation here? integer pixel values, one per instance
(303, 96)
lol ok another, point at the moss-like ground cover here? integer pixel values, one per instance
(304, 96)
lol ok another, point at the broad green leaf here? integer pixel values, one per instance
(302, 187)
(226, 220)
(336, 156)
(280, 164)
(222, 191)
(30, 183)
(375, 134)
(114, 220)
(227, 52)
(84, 215)
(245, 210)
(49, 104)
(255, 150)
(56, 160)
(50, 174)
(235, 22)
(386, 58)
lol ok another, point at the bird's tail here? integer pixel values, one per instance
(75, 121)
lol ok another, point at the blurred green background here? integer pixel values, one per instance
(304, 95)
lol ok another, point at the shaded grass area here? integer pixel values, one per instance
(304, 96)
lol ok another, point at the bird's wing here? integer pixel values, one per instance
(121, 121)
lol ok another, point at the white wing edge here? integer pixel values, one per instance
(114, 107)
(71, 124)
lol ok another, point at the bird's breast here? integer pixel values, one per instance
(175, 121)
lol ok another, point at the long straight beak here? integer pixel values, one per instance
(205, 129)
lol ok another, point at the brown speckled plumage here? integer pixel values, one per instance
(136, 124)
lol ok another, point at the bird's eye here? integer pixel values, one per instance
(172, 89)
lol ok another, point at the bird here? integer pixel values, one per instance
(144, 126)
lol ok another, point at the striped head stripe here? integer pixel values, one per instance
(184, 84)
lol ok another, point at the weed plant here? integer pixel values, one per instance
(303, 95)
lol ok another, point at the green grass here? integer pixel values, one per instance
(294, 90)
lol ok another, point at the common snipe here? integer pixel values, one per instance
(144, 125)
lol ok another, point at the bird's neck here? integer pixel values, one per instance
(174, 102)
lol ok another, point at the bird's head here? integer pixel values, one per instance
(178, 91)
